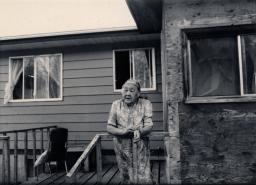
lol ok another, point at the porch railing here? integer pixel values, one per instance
(15, 135)
(5, 159)
(96, 142)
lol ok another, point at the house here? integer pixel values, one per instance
(200, 76)
(70, 80)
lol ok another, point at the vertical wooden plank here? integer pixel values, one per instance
(26, 155)
(3, 160)
(135, 161)
(6, 160)
(164, 80)
(167, 159)
(48, 137)
(99, 161)
(15, 157)
(34, 150)
(42, 140)
(42, 144)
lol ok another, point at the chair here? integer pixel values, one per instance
(57, 150)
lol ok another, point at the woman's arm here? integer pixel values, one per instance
(145, 130)
(118, 131)
(115, 131)
(147, 119)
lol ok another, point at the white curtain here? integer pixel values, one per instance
(48, 76)
(54, 76)
(16, 71)
(142, 68)
(42, 80)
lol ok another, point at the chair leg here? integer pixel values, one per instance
(65, 162)
(48, 164)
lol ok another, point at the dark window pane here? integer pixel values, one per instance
(17, 92)
(17, 77)
(122, 68)
(214, 67)
(249, 63)
(29, 78)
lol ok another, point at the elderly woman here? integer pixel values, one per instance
(129, 120)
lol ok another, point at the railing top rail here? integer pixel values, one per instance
(151, 135)
(4, 137)
(84, 155)
(29, 129)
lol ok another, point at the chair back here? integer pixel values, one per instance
(58, 140)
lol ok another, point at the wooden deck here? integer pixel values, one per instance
(110, 176)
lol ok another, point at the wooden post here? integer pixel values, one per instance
(6, 160)
(99, 161)
(42, 140)
(48, 136)
(42, 144)
(34, 150)
(174, 143)
(167, 159)
(135, 161)
(26, 154)
(16, 157)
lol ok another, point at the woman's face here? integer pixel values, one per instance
(130, 93)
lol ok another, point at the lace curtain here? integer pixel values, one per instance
(142, 73)
(16, 71)
(48, 76)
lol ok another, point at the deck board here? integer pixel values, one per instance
(110, 176)
(52, 179)
(115, 180)
(93, 180)
(35, 180)
(107, 177)
(81, 178)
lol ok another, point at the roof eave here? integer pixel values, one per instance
(76, 40)
(147, 14)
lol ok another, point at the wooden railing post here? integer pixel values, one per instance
(48, 136)
(99, 160)
(26, 155)
(6, 160)
(167, 160)
(135, 161)
(15, 157)
(34, 150)
(42, 144)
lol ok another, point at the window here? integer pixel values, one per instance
(138, 64)
(33, 78)
(221, 68)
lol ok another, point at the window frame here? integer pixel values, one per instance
(187, 35)
(153, 63)
(37, 99)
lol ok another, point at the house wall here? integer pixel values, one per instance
(214, 142)
(87, 92)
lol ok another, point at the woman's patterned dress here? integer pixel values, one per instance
(139, 115)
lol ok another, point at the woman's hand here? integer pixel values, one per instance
(136, 136)
(127, 132)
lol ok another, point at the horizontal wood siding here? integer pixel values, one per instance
(87, 95)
